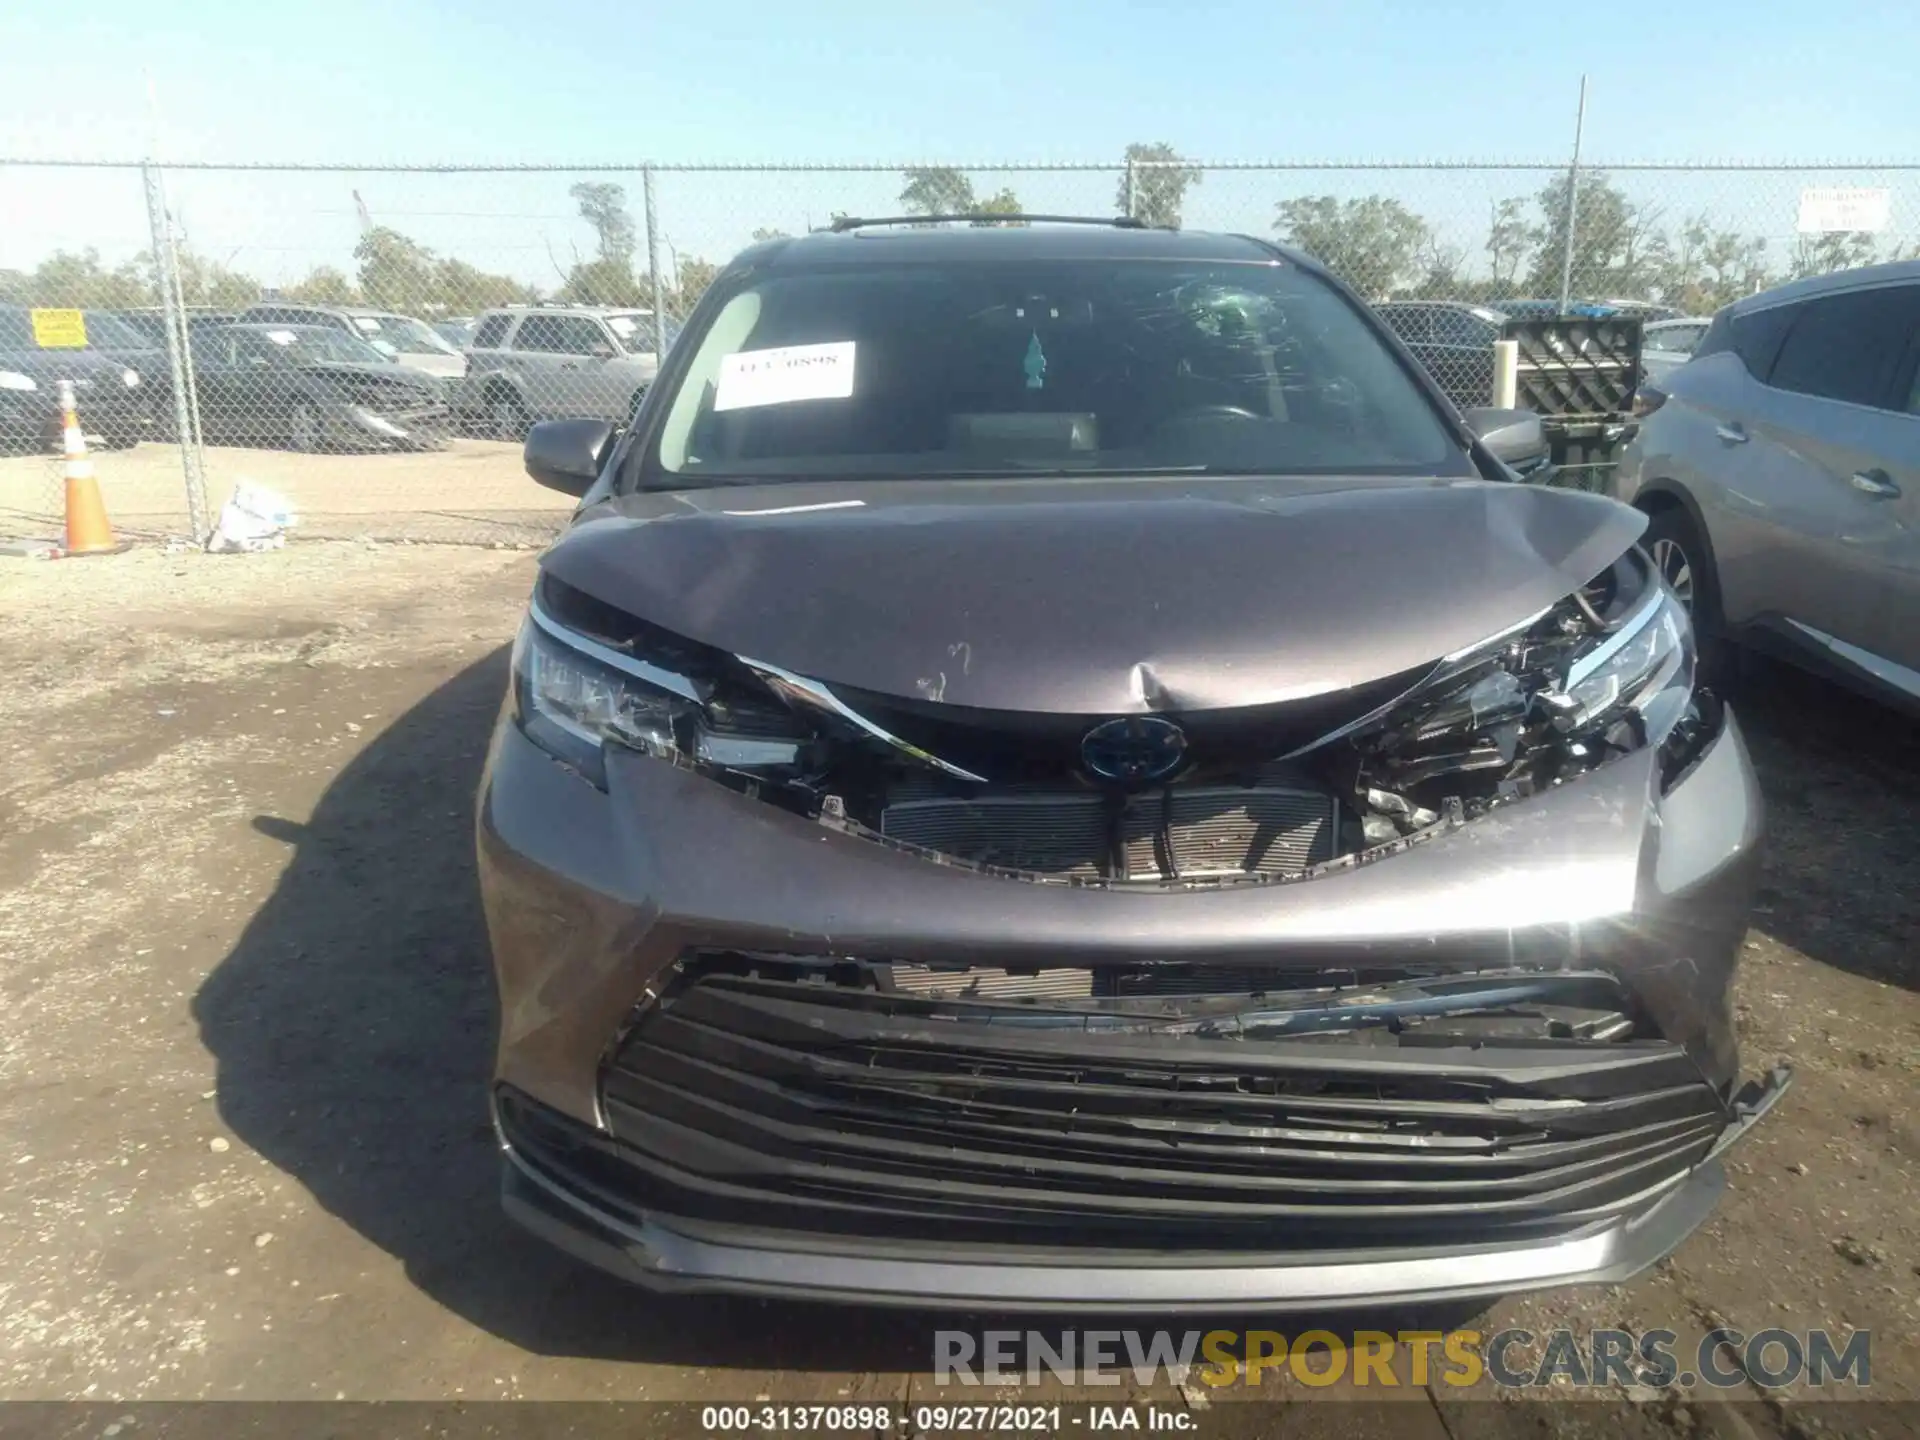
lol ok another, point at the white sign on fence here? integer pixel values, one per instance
(1841, 207)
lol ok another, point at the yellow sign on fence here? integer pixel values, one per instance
(60, 329)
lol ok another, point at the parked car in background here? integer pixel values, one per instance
(400, 338)
(1052, 768)
(1668, 344)
(1532, 309)
(457, 330)
(554, 362)
(1650, 311)
(109, 393)
(152, 325)
(1454, 341)
(311, 387)
(1781, 469)
(108, 334)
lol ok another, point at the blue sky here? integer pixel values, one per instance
(838, 80)
(986, 80)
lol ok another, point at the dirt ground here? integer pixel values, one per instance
(248, 1020)
(473, 492)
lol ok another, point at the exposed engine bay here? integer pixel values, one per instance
(1258, 794)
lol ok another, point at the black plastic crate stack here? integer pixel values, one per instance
(1578, 373)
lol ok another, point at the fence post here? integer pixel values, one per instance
(1506, 374)
(653, 266)
(1129, 187)
(1573, 200)
(186, 410)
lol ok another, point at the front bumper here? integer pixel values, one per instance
(652, 1253)
(591, 898)
(425, 425)
(33, 417)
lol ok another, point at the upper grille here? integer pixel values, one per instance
(1188, 832)
(800, 1104)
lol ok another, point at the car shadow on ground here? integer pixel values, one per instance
(353, 1029)
(352, 1025)
(1841, 777)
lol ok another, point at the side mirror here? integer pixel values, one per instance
(565, 455)
(1514, 436)
(601, 350)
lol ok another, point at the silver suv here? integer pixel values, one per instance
(550, 362)
(1781, 468)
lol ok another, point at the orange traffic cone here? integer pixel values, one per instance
(88, 532)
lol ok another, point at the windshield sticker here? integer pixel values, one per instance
(366, 323)
(792, 372)
(1035, 364)
(282, 337)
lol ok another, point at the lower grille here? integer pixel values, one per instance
(1188, 832)
(1462, 1110)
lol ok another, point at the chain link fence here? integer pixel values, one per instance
(372, 341)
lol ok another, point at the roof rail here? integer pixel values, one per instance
(843, 223)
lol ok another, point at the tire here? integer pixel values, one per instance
(1680, 554)
(507, 417)
(303, 427)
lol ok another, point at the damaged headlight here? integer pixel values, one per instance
(573, 697)
(1564, 692)
(1645, 668)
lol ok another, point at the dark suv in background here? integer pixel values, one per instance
(111, 390)
(401, 338)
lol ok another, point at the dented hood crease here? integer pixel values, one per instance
(1079, 597)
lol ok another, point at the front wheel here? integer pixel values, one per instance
(1679, 553)
(508, 415)
(303, 427)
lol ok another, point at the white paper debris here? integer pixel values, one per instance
(256, 518)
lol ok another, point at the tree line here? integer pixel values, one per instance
(1622, 250)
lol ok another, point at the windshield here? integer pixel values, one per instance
(304, 344)
(400, 335)
(1043, 367)
(636, 331)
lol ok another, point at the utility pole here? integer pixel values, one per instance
(1573, 200)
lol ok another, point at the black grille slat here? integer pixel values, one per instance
(804, 1097)
(771, 1138)
(697, 1152)
(788, 1014)
(865, 1075)
(1247, 1148)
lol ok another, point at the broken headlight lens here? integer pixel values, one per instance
(574, 696)
(1644, 668)
(1527, 709)
(572, 706)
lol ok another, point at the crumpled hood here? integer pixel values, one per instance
(1095, 597)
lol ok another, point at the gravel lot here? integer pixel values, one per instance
(248, 1021)
(473, 492)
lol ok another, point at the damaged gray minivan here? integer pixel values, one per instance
(1052, 768)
